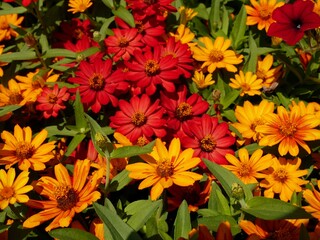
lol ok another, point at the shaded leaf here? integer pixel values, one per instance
(71, 234)
(125, 15)
(182, 223)
(129, 151)
(239, 27)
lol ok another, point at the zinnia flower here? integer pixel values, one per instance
(51, 101)
(66, 195)
(139, 117)
(184, 35)
(165, 167)
(214, 54)
(22, 149)
(25, 3)
(6, 32)
(247, 83)
(265, 71)
(261, 13)
(246, 168)
(209, 139)
(186, 14)
(201, 80)
(2, 64)
(13, 189)
(290, 129)
(292, 20)
(283, 178)
(313, 198)
(79, 5)
(98, 85)
(12, 95)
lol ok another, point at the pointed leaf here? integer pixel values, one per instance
(129, 151)
(76, 140)
(182, 223)
(239, 27)
(18, 56)
(253, 56)
(59, 52)
(7, 109)
(125, 15)
(71, 234)
(214, 16)
(81, 122)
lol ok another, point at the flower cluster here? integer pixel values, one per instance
(162, 119)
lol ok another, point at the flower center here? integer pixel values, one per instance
(142, 141)
(297, 24)
(123, 42)
(183, 111)
(15, 98)
(4, 24)
(82, 7)
(138, 119)
(6, 193)
(152, 67)
(281, 175)
(245, 87)
(78, 33)
(256, 122)
(288, 129)
(66, 197)
(52, 98)
(140, 26)
(244, 170)
(281, 234)
(24, 150)
(165, 169)
(96, 82)
(216, 56)
(207, 144)
(264, 14)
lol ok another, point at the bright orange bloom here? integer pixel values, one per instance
(6, 32)
(96, 228)
(289, 129)
(2, 63)
(79, 6)
(265, 71)
(313, 198)
(66, 195)
(247, 83)
(13, 94)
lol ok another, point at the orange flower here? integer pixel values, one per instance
(313, 198)
(6, 32)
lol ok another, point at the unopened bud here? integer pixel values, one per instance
(237, 191)
(30, 40)
(216, 95)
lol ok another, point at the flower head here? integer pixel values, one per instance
(13, 189)
(6, 32)
(201, 80)
(247, 83)
(2, 64)
(186, 14)
(165, 167)
(313, 199)
(292, 20)
(79, 6)
(265, 71)
(184, 35)
(66, 195)
(13, 95)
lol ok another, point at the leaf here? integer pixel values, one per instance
(214, 16)
(108, 3)
(3, 227)
(121, 180)
(253, 56)
(16, 10)
(118, 229)
(60, 131)
(129, 151)
(182, 223)
(222, 203)
(125, 15)
(76, 140)
(18, 56)
(81, 122)
(202, 11)
(104, 30)
(71, 234)
(213, 223)
(59, 52)
(141, 211)
(7, 109)
(88, 52)
(274, 209)
(252, 147)
(239, 27)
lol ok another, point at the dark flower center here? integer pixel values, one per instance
(6, 193)
(165, 169)
(297, 24)
(183, 111)
(123, 42)
(216, 56)
(281, 234)
(261, 74)
(140, 26)
(66, 197)
(24, 150)
(280, 175)
(288, 129)
(152, 67)
(96, 82)
(244, 170)
(138, 119)
(207, 144)
(15, 98)
(52, 98)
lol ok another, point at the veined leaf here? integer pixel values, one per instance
(59, 52)
(81, 122)
(71, 234)
(239, 27)
(119, 181)
(182, 223)
(214, 16)
(18, 56)
(129, 151)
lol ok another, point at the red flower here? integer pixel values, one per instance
(98, 85)
(180, 109)
(209, 139)
(51, 101)
(292, 20)
(123, 43)
(138, 118)
(25, 3)
(150, 69)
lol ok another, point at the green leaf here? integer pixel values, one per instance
(7, 109)
(3, 227)
(274, 209)
(225, 20)
(253, 56)
(129, 151)
(104, 30)
(285, 101)
(118, 229)
(119, 181)
(125, 15)
(222, 203)
(141, 211)
(108, 3)
(17, 10)
(239, 28)
(251, 148)
(304, 234)
(71, 234)
(44, 42)
(81, 122)
(59, 52)
(18, 56)
(76, 140)
(88, 52)
(214, 16)
(213, 223)
(202, 11)
(182, 223)
(60, 131)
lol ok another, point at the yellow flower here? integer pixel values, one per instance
(316, 8)
(6, 32)
(165, 167)
(96, 228)
(246, 168)
(248, 84)
(202, 81)
(12, 95)
(283, 178)
(265, 71)
(250, 116)
(184, 35)
(289, 129)
(261, 13)
(307, 108)
(186, 14)
(22, 149)
(66, 195)
(13, 190)
(313, 198)
(215, 54)
(2, 63)
(79, 5)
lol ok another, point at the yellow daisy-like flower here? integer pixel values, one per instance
(165, 167)
(13, 189)
(12, 95)
(66, 195)
(2, 64)
(184, 35)
(307, 108)
(248, 83)
(186, 14)
(283, 178)
(22, 149)
(214, 54)
(261, 13)
(79, 5)
(201, 80)
(246, 168)
(6, 32)
(250, 116)
(289, 129)
(265, 71)
(313, 198)
(96, 228)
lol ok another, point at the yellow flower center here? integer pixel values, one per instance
(288, 129)
(142, 141)
(24, 150)
(216, 56)
(165, 169)
(280, 175)
(4, 23)
(15, 98)
(264, 14)
(123, 42)
(245, 87)
(152, 67)
(6, 193)
(261, 74)
(66, 197)
(183, 111)
(52, 98)
(207, 144)
(244, 170)
(96, 82)
(138, 119)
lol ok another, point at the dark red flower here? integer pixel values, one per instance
(98, 84)
(292, 20)
(139, 117)
(209, 139)
(25, 3)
